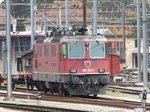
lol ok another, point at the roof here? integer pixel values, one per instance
(27, 53)
(21, 34)
(76, 38)
(118, 21)
(82, 38)
(75, 12)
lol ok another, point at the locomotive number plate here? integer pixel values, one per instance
(88, 70)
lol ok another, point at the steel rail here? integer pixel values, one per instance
(99, 101)
(125, 90)
(37, 108)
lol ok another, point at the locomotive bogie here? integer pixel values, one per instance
(84, 84)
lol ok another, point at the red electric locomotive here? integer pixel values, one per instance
(74, 65)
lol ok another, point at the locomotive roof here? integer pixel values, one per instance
(79, 38)
(82, 38)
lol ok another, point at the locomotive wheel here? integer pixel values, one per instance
(13, 85)
(43, 87)
(30, 87)
(35, 83)
(66, 93)
(38, 85)
(63, 91)
(95, 95)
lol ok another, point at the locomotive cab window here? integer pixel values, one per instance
(97, 50)
(76, 50)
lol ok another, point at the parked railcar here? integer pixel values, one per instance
(74, 65)
(20, 79)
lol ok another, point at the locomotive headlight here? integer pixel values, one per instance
(101, 70)
(73, 71)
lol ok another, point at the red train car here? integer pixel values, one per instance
(74, 65)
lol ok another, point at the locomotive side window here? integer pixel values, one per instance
(64, 50)
(76, 50)
(39, 51)
(97, 50)
(53, 50)
(45, 50)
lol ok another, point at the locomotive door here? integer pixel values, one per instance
(55, 60)
(35, 58)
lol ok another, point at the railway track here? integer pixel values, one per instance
(125, 90)
(24, 90)
(99, 101)
(111, 88)
(35, 108)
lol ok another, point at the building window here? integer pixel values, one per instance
(110, 49)
(21, 44)
(135, 43)
(1, 52)
(53, 50)
(2, 27)
(45, 50)
(109, 9)
(104, 9)
(28, 62)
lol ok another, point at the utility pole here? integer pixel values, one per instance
(123, 32)
(95, 17)
(45, 20)
(115, 41)
(59, 14)
(32, 23)
(145, 53)
(84, 13)
(9, 85)
(139, 39)
(67, 13)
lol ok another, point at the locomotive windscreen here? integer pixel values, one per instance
(76, 50)
(97, 50)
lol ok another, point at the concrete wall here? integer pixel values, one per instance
(28, 27)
